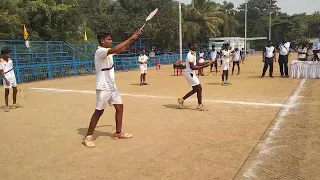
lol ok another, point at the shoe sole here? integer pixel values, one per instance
(116, 138)
(88, 146)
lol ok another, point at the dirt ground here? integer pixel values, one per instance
(43, 140)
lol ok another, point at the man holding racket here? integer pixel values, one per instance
(106, 90)
(9, 79)
(190, 74)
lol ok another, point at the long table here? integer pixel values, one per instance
(305, 69)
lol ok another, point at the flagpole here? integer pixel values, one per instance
(180, 30)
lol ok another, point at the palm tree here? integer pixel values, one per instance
(206, 15)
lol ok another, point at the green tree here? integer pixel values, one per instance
(206, 15)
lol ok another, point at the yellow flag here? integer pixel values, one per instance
(25, 33)
(85, 35)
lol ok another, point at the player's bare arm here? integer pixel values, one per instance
(4, 78)
(199, 65)
(125, 44)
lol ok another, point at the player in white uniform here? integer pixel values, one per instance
(106, 90)
(190, 74)
(213, 56)
(143, 64)
(225, 56)
(236, 60)
(9, 79)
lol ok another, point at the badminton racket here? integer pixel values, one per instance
(151, 15)
(22, 94)
(152, 54)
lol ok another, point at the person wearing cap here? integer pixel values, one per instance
(9, 79)
(190, 74)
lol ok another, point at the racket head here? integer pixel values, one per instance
(152, 14)
(152, 54)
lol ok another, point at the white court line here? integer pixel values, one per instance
(265, 147)
(165, 97)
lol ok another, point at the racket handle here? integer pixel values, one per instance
(142, 26)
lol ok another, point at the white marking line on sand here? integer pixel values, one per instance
(166, 97)
(265, 147)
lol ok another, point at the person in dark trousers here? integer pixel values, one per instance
(284, 51)
(268, 55)
(213, 56)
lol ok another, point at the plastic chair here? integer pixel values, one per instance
(177, 70)
(158, 65)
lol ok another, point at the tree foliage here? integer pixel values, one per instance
(66, 20)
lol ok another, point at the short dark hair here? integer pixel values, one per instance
(4, 51)
(190, 44)
(213, 46)
(102, 36)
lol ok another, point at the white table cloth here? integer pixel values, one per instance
(305, 69)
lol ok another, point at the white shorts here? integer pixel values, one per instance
(225, 65)
(192, 79)
(105, 97)
(13, 83)
(143, 68)
(201, 60)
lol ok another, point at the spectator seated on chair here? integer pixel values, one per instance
(158, 65)
(178, 66)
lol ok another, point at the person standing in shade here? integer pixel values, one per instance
(236, 60)
(268, 55)
(284, 51)
(213, 56)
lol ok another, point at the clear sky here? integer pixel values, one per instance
(288, 6)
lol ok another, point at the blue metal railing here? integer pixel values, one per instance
(54, 59)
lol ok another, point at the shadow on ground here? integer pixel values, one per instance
(96, 134)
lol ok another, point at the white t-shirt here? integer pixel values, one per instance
(191, 57)
(309, 54)
(201, 57)
(105, 80)
(285, 48)
(213, 55)
(236, 56)
(269, 52)
(143, 59)
(7, 68)
(302, 56)
(226, 55)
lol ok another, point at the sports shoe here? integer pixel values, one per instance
(14, 106)
(200, 107)
(224, 83)
(121, 135)
(88, 141)
(145, 83)
(180, 102)
(6, 109)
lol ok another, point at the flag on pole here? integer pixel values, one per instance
(25, 33)
(85, 35)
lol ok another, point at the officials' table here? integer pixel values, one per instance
(305, 69)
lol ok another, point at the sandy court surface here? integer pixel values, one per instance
(43, 139)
